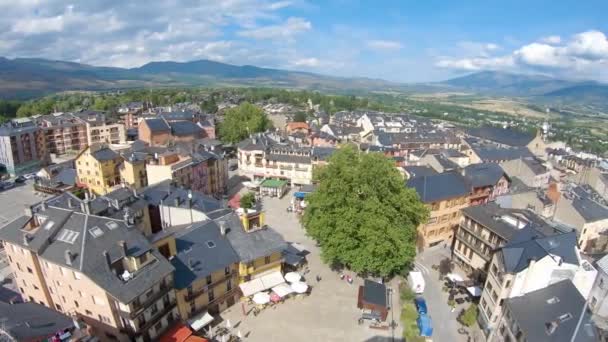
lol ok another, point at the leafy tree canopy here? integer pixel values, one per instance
(362, 215)
(240, 122)
(299, 117)
(247, 201)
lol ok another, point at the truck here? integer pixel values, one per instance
(416, 281)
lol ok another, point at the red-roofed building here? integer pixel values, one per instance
(181, 333)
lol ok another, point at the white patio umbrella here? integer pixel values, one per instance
(261, 298)
(454, 277)
(239, 335)
(299, 287)
(293, 277)
(228, 325)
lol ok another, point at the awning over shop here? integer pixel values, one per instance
(200, 321)
(454, 277)
(273, 183)
(262, 283)
(299, 195)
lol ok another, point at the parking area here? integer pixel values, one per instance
(445, 325)
(330, 312)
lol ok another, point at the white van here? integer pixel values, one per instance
(416, 281)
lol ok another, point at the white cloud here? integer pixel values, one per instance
(551, 40)
(279, 5)
(291, 27)
(307, 62)
(477, 49)
(583, 55)
(38, 25)
(386, 45)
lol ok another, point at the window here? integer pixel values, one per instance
(190, 290)
(192, 308)
(58, 307)
(154, 309)
(494, 269)
(76, 304)
(211, 295)
(76, 275)
(89, 313)
(593, 302)
(19, 266)
(601, 283)
(267, 259)
(209, 279)
(35, 287)
(229, 285)
(24, 283)
(227, 271)
(80, 293)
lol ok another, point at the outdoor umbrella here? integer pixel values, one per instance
(299, 287)
(275, 297)
(228, 325)
(261, 298)
(293, 277)
(454, 277)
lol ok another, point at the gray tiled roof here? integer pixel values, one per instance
(528, 244)
(185, 128)
(201, 250)
(484, 174)
(535, 311)
(286, 158)
(590, 210)
(157, 125)
(104, 154)
(419, 171)
(441, 186)
(510, 137)
(31, 321)
(251, 245)
(499, 154)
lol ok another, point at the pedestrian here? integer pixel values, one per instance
(318, 278)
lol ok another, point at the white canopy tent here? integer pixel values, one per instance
(262, 283)
(282, 290)
(261, 298)
(299, 287)
(200, 321)
(293, 277)
(454, 277)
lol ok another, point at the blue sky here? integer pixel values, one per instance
(406, 41)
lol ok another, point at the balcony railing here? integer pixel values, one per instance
(147, 324)
(138, 309)
(194, 294)
(474, 245)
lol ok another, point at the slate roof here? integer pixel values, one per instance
(87, 249)
(322, 153)
(157, 125)
(418, 171)
(374, 293)
(528, 244)
(168, 194)
(251, 245)
(201, 250)
(66, 176)
(178, 115)
(590, 210)
(603, 264)
(31, 321)
(510, 137)
(104, 154)
(484, 174)
(535, 311)
(185, 128)
(438, 187)
(535, 165)
(499, 154)
(489, 215)
(286, 158)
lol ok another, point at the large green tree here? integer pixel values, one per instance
(243, 120)
(362, 215)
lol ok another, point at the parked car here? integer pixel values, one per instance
(416, 281)
(29, 175)
(421, 305)
(6, 185)
(20, 179)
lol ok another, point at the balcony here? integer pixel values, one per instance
(138, 309)
(231, 275)
(215, 300)
(476, 245)
(145, 325)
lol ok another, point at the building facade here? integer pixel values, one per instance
(98, 169)
(22, 147)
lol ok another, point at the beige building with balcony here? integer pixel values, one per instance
(445, 194)
(93, 268)
(260, 157)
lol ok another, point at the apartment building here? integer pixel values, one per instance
(63, 133)
(578, 209)
(487, 181)
(263, 157)
(22, 147)
(171, 165)
(102, 130)
(530, 262)
(130, 113)
(154, 131)
(530, 171)
(95, 268)
(445, 194)
(597, 301)
(554, 313)
(132, 170)
(509, 138)
(98, 169)
(521, 196)
(485, 228)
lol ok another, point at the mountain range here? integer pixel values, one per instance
(31, 77)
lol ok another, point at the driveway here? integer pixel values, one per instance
(329, 314)
(445, 326)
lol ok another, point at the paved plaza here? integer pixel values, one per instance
(14, 201)
(329, 314)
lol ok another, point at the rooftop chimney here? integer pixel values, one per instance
(123, 245)
(26, 239)
(85, 206)
(68, 257)
(108, 259)
(191, 264)
(223, 227)
(70, 203)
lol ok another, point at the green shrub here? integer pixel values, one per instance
(248, 200)
(468, 317)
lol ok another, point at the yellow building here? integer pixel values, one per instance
(97, 167)
(133, 172)
(445, 194)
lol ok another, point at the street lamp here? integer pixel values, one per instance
(190, 201)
